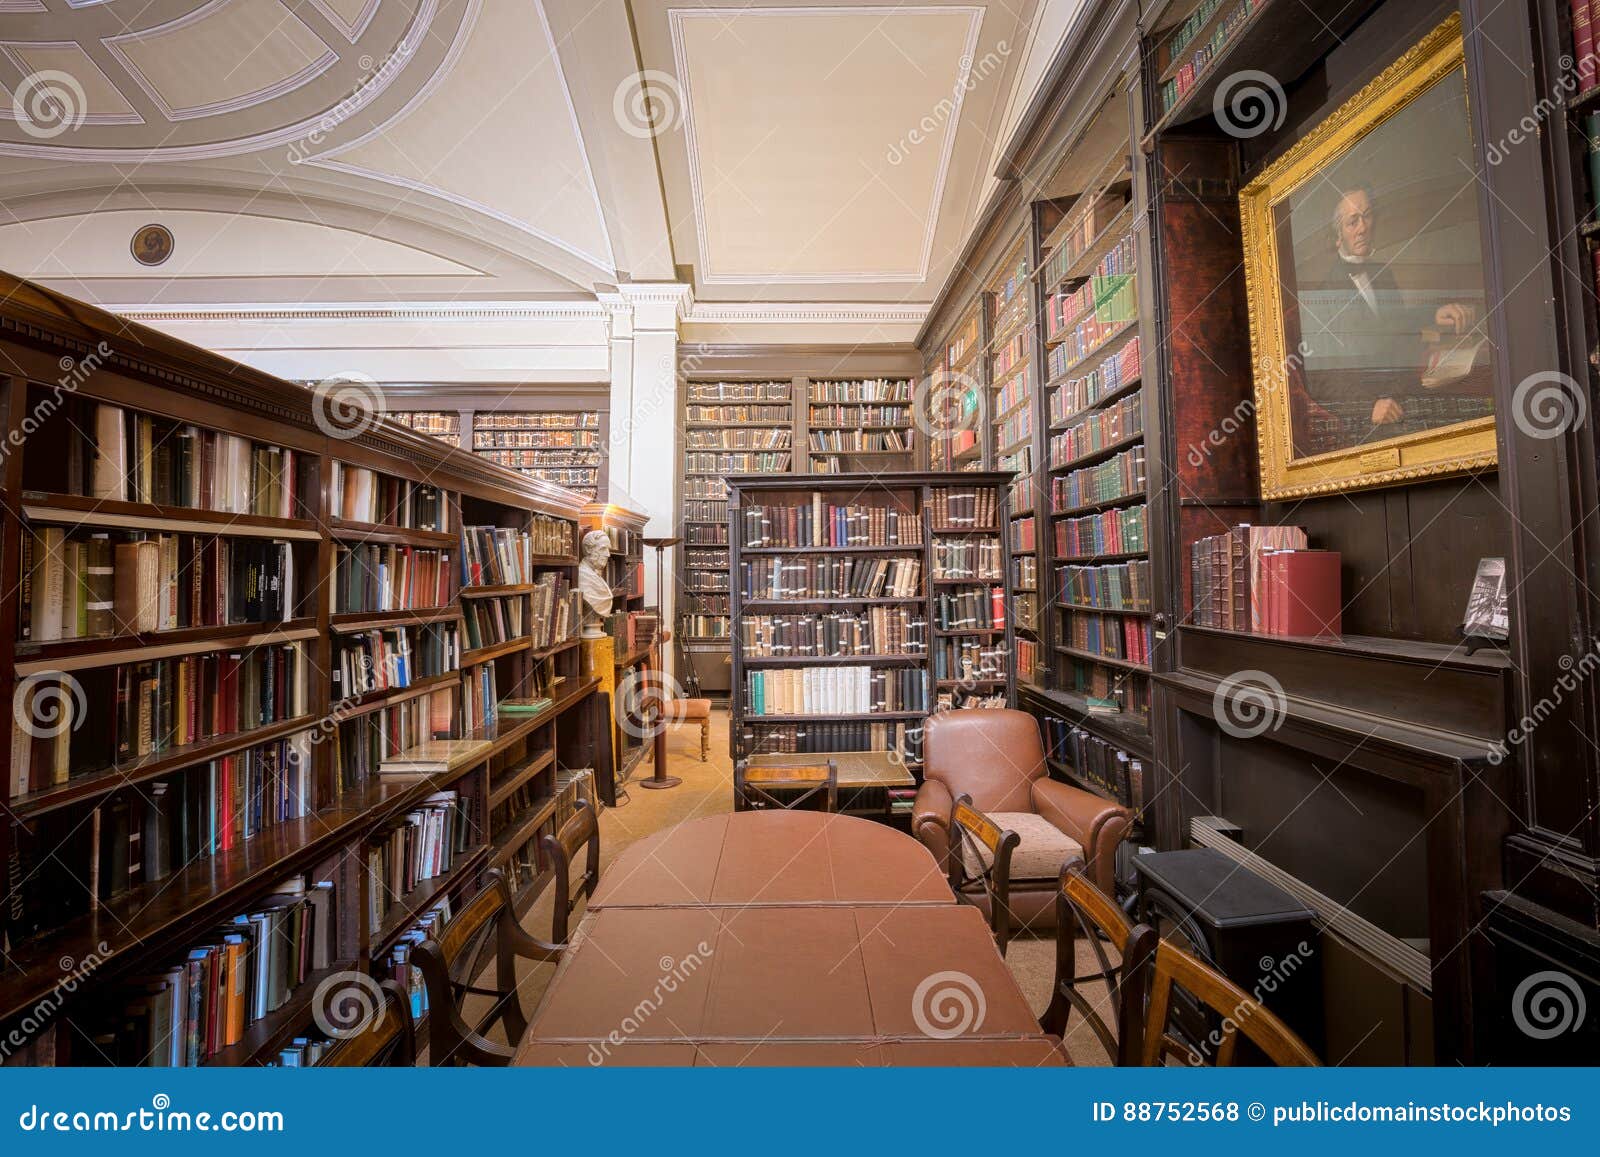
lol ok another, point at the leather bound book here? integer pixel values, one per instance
(1308, 593)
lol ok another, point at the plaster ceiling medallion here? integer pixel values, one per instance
(195, 79)
(808, 164)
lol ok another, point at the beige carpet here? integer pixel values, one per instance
(707, 789)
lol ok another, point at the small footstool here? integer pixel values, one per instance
(693, 711)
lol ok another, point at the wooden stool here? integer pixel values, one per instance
(693, 711)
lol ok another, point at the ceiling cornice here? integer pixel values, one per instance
(372, 311)
(805, 313)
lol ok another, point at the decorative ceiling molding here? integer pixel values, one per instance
(805, 313)
(604, 265)
(16, 51)
(365, 86)
(351, 31)
(119, 46)
(677, 17)
(429, 311)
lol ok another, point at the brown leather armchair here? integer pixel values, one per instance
(997, 758)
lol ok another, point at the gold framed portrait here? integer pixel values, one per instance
(1365, 279)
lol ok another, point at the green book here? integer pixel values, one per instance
(523, 706)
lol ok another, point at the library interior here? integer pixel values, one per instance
(832, 533)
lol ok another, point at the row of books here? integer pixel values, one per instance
(1120, 476)
(705, 510)
(1077, 394)
(1104, 428)
(557, 609)
(1025, 610)
(434, 423)
(378, 577)
(716, 559)
(97, 586)
(120, 455)
(853, 417)
(713, 489)
(400, 969)
(1109, 690)
(80, 723)
(381, 660)
(739, 438)
(625, 544)
(777, 415)
(706, 580)
(1015, 426)
(1027, 653)
(535, 439)
(712, 604)
(1015, 388)
(1265, 579)
(1021, 492)
(878, 390)
(897, 735)
(1080, 232)
(964, 508)
(1114, 636)
(706, 534)
(705, 626)
(969, 698)
(827, 524)
(1117, 586)
(633, 630)
(496, 620)
(363, 743)
(969, 660)
(1109, 532)
(1022, 533)
(1110, 281)
(247, 969)
(976, 558)
(1174, 90)
(830, 578)
(363, 495)
(834, 691)
(501, 556)
(874, 631)
(859, 441)
(969, 609)
(1025, 573)
(573, 469)
(704, 462)
(1105, 766)
(536, 420)
(420, 845)
(738, 391)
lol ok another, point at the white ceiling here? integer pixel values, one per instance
(429, 150)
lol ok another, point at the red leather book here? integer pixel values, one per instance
(1308, 589)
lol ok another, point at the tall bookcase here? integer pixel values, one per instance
(860, 424)
(873, 654)
(214, 769)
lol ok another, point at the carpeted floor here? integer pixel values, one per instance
(707, 789)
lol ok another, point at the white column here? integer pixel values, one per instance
(644, 423)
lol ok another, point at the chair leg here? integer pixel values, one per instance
(705, 739)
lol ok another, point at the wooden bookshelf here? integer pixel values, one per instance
(817, 630)
(323, 807)
(565, 447)
(859, 423)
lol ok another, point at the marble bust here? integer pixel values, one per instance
(593, 584)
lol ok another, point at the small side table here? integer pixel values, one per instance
(1246, 927)
(861, 773)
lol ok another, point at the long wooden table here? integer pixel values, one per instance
(782, 938)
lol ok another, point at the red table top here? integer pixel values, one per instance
(782, 939)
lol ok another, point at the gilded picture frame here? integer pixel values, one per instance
(1293, 465)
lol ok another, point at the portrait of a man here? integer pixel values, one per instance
(1382, 289)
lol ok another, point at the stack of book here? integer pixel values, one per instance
(828, 524)
(557, 610)
(1265, 580)
(964, 508)
(834, 691)
(390, 578)
(976, 608)
(380, 660)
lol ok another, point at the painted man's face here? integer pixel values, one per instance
(1355, 225)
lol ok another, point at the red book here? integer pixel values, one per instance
(997, 607)
(1309, 592)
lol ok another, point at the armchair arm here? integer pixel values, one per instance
(1098, 824)
(930, 819)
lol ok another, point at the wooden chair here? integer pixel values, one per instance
(1084, 910)
(979, 864)
(390, 1041)
(583, 828)
(451, 1040)
(785, 788)
(693, 711)
(1240, 1013)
